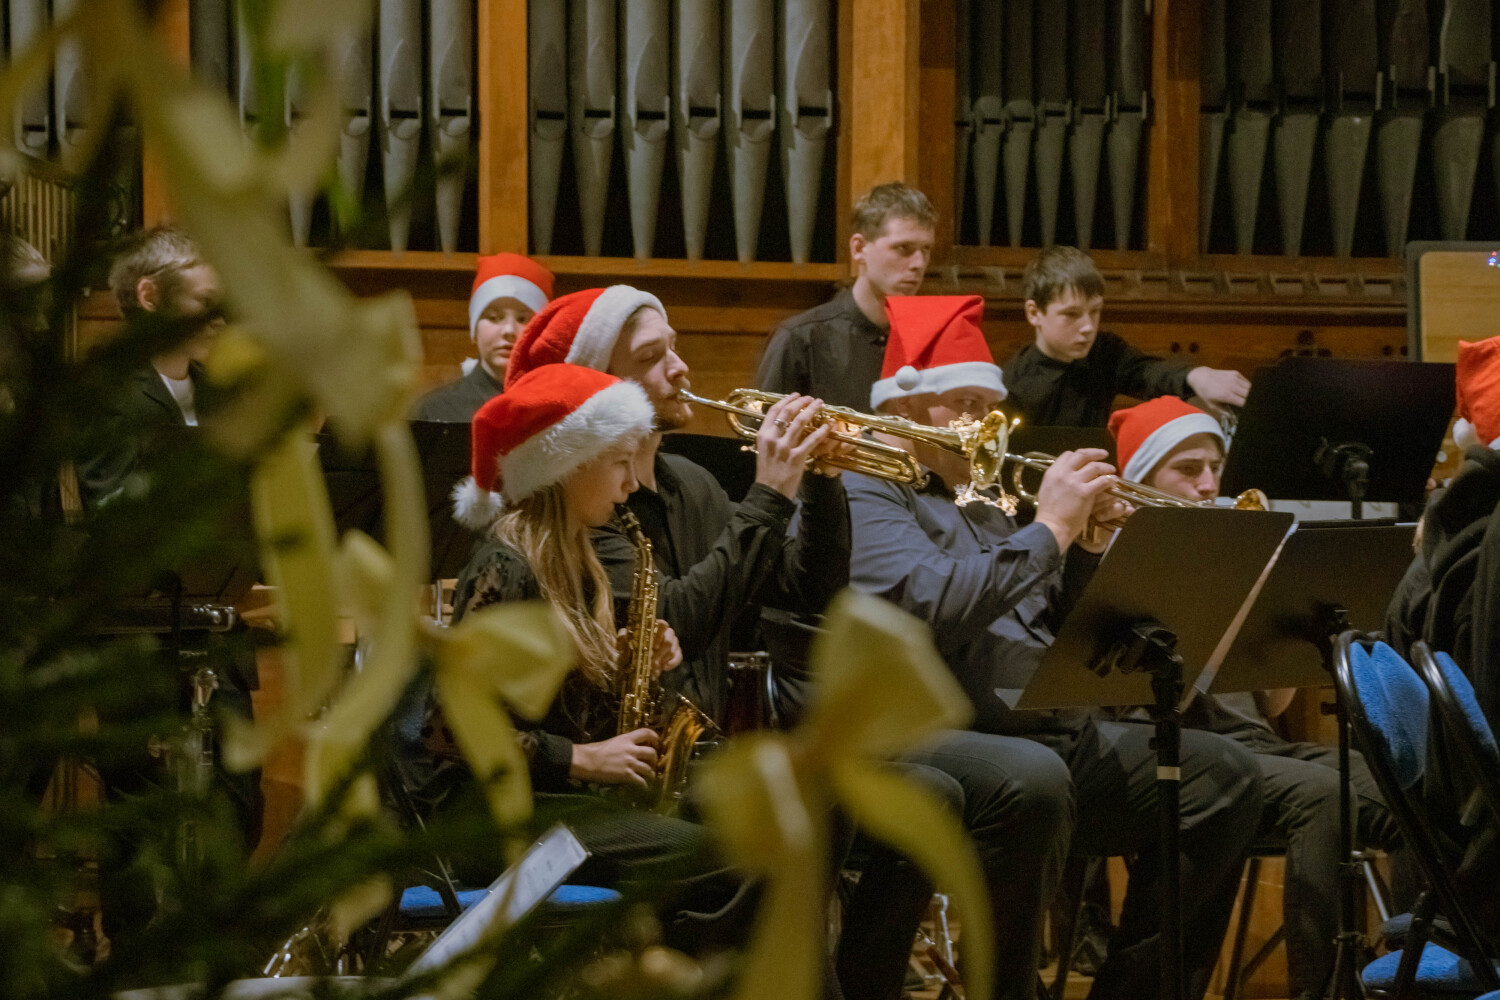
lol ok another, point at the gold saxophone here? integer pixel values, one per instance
(639, 692)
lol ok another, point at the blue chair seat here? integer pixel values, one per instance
(422, 902)
(1439, 971)
(1393, 932)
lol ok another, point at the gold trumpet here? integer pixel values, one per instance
(981, 441)
(1135, 494)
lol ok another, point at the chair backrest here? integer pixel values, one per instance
(1464, 725)
(1388, 711)
(1394, 702)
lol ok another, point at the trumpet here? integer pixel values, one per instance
(981, 441)
(1135, 494)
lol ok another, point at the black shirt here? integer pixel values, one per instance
(143, 406)
(1045, 392)
(831, 351)
(458, 401)
(581, 712)
(716, 560)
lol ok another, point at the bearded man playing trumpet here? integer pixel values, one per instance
(1170, 445)
(994, 592)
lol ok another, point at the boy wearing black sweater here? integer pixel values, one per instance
(1071, 374)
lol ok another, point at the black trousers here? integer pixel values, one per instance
(707, 904)
(1015, 799)
(1301, 782)
(1114, 781)
(1026, 803)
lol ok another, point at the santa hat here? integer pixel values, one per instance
(508, 276)
(550, 423)
(1478, 381)
(580, 329)
(1146, 434)
(935, 345)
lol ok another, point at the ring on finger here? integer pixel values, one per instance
(781, 423)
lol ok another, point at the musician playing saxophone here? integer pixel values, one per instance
(717, 559)
(553, 457)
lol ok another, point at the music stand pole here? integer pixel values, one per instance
(1350, 943)
(1152, 648)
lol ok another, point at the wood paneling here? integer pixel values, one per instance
(883, 97)
(937, 139)
(503, 126)
(1172, 182)
(1460, 298)
(172, 27)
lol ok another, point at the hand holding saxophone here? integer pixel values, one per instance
(1071, 488)
(666, 651)
(627, 759)
(784, 445)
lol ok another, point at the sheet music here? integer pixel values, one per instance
(519, 889)
(1211, 668)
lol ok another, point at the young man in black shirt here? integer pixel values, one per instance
(1070, 375)
(834, 351)
(164, 274)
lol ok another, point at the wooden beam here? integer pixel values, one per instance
(1172, 186)
(843, 177)
(884, 97)
(936, 138)
(172, 29)
(503, 128)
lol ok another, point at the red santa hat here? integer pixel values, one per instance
(935, 345)
(1146, 434)
(580, 329)
(508, 276)
(555, 420)
(1478, 381)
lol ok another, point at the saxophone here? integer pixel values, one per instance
(640, 695)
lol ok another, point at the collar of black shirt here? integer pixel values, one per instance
(859, 321)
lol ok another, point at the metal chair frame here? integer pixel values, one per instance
(1416, 834)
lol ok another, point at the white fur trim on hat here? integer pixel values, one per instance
(474, 508)
(595, 426)
(960, 375)
(1466, 437)
(504, 286)
(1166, 437)
(601, 325)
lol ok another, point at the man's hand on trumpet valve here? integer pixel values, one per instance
(1070, 491)
(1110, 514)
(783, 445)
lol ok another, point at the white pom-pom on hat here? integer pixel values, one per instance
(935, 345)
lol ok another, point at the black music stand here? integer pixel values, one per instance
(725, 457)
(197, 593)
(1330, 576)
(1326, 429)
(353, 479)
(1128, 644)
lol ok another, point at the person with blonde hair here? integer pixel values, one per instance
(553, 458)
